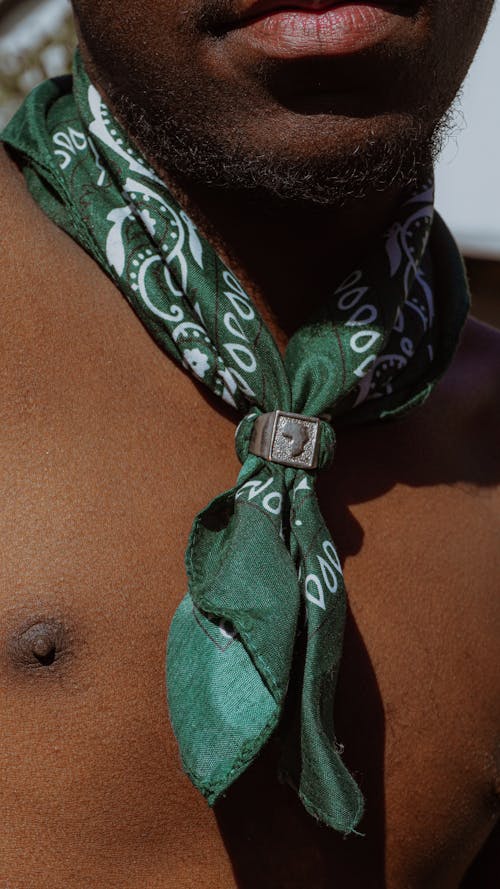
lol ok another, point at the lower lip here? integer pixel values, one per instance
(342, 30)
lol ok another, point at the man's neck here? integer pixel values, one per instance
(288, 257)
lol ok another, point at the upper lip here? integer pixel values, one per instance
(252, 9)
(256, 8)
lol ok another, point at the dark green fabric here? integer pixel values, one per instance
(265, 580)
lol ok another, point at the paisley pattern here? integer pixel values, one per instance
(255, 644)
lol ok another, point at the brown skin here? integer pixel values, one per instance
(100, 470)
(101, 465)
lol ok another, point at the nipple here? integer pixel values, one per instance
(44, 649)
(40, 644)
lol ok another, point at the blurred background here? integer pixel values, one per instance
(37, 41)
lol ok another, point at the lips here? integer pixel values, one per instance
(267, 7)
(252, 11)
(282, 30)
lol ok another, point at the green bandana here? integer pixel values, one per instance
(265, 580)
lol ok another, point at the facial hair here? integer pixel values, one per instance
(174, 144)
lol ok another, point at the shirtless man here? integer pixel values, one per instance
(108, 450)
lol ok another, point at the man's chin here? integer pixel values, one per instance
(322, 171)
(335, 175)
(324, 155)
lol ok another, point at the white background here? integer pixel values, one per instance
(468, 173)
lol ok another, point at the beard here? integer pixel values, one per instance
(191, 147)
(286, 132)
(317, 130)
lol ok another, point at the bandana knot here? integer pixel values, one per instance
(286, 438)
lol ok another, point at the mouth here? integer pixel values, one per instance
(252, 11)
(317, 28)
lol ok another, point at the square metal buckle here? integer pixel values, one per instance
(289, 439)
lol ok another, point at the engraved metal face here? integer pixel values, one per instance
(295, 440)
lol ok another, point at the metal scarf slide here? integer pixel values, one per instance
(265, 584)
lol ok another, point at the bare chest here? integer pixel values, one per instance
(109, 451)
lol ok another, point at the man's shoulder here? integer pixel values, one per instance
(9, 212)
(38, 260)
(27, 237)
(479, 352)
(8, 174)
(26, 232)
(16, 206)
(48, 287)
(462, 418)
(473, 381)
